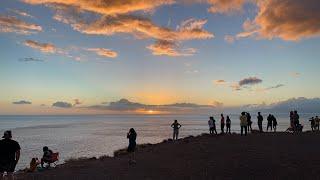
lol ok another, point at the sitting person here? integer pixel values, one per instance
(33, 165)
(47, 156)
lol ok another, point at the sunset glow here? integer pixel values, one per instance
(91, 57)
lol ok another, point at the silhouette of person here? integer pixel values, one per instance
(228, 125)
(274, 123)
(213, 128)
(317, 120)
(291, 119)
(210, 124)
(312, 123)
(222, 123)
(132, 136)
(249, 121)
(243, 123)
(260, 120)
(176, 126)
(296, 119)
(269, 120)
(9, 155)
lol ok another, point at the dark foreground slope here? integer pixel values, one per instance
(257, 156)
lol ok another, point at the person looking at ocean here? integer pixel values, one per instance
(132, 136)
(269, 120)
(213, 129)
(211, 125)
(243, 123)
(296, 118)
(9, 155)
(249, 121)
(222, 123)
(317, 120)
(274, 123)
(291, 120)
(228, 125)
(260, 120)
(312, 123)
(176, 126)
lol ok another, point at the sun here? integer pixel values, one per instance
(150, 111)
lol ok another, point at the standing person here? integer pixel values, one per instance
(9, 155)
(269, 120)
(214, 129)
(296, 119)
(291, 120)
(176, 126)
(243, 123)
(260, 120)
(317, 122)
(274, 123)
(132, 136)
(313, 123)
(228, 125)
(222, 123)
(211, 125)
(249, 121)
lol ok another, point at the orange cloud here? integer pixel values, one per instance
(226, 6)
(169, 49)
(104, 52)
(114, 17)
(289, 20)
(43, 47)
(12, 24)
(107, 7)
(220, 82)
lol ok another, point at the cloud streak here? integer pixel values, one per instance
(30, 59)
(12, 24)
(107, 7)
(43, 47)
(103, 52)
(22, 102)
(21, 13)
(126, 105)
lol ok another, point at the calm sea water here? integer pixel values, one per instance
(88, 136)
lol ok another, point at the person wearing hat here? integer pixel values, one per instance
(9, 154)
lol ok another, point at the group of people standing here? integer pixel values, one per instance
(245, 123)
(223, 123)
(272, 122)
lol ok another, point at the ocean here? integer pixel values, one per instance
(98, 135)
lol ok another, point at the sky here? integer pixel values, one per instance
(97, 56)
